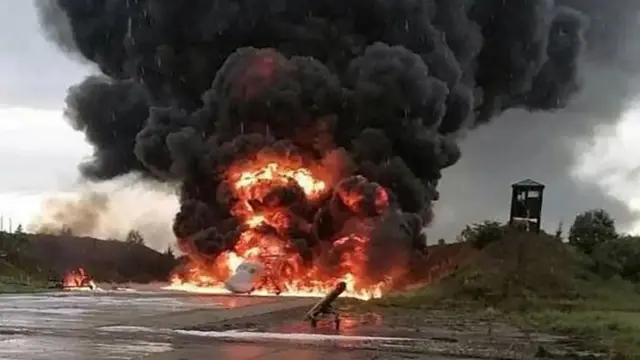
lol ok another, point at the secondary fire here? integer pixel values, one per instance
(261, 190)
(78, 279)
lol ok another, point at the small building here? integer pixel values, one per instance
(526, 205)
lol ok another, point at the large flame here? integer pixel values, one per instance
(286, 272)
(78, 279)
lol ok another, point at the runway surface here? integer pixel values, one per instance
(155, 325)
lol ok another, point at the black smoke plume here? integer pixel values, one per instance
(542, 145)
(190, 87)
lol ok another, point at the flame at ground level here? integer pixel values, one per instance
(289, 291)
(275, 198)
(192, 288)
(78, 279)
(211, 280)
(437, 263)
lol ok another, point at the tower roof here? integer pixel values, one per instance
(528, 183)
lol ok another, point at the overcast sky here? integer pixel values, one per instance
(39, 151)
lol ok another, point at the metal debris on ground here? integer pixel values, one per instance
(324, 307)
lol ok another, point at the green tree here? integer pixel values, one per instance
(134, 237)
(630, 257)
(169, 252)
(482, 234)
(608, 258)
(619, 257)
(591, 228)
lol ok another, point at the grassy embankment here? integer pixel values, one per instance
(14, 279)
(542, 285)
(29, 261)
(19, 272)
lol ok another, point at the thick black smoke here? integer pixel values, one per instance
(612, 23)
(542, 145)
(191, 87)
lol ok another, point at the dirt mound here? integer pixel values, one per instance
(519, 266)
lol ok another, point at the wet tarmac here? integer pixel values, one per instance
(67, 325)
(158, 325)
(161, 325)
(84, 309)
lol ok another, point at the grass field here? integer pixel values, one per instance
(609, 331)
(540, 285)
(16, 280)
(609, 324)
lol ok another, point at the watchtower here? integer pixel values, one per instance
(526, 205)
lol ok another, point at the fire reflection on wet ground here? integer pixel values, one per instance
(370, 324)
(40, 347)
(167, 326)
(62, 325)
(80, 326)
(351, 324)
(84, 309)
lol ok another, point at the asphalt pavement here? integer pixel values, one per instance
(154, 325)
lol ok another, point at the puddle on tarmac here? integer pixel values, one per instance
(352, 325)
(367, 324)
(370, 324)
(56, 348)
(256, 336)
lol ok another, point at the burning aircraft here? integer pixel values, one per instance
(78, 279)
(246, 277)
(307, 137)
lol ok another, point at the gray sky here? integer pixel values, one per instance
(33, 73)
(39, 151)
(35, 143)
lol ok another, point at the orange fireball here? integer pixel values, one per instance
(286, 273)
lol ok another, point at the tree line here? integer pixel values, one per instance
(614, 254)
(593, 233)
